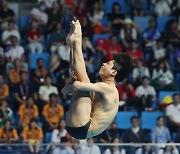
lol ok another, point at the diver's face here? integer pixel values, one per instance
(106, 69)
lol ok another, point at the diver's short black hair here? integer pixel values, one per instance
(123, 66)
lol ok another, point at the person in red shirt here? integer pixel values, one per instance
(113, 48)
(80, 11)
(107, 48)
(34, 36)
(134, 52)
(127, 95)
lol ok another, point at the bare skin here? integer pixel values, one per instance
(97, 102)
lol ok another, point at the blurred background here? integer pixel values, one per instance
(34, 64)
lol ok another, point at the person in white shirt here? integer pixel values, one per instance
(13, 52)
(6, 34)
(162, 8)
(39, 14)
(173, 113)
(96, 14)
(115, 149)
(159, 51)
(57, 134)
(46, 89)
(64, 149)
(162, 78)
(138, 72)
(89, 147)
(146, 94)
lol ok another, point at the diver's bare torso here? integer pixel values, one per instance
(104, 109)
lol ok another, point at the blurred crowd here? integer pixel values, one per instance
(31, 103)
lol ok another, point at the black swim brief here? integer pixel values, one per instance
(79, 132)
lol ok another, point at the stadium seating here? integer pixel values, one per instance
(24, 21)
(123, 119)
(105, 21)
(8, 151)
(109, 3)
(142, 22)
(178, 80)
(35, 56)
(48, 137)
(148, 119)
(162, 21)
(97, 36)
(162, 94)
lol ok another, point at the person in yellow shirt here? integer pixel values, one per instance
(14, 74)
(27, 111)
(52, 113)
(8, 134)
(33, 135)
(4, 89)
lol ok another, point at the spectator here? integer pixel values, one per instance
(89, 148)
(62, 61)
(173, 114)
(146, 94)
(88, 53)
(137, 7)
(52, 113)
(113, 48)
(134, 52)
(162, 8)
(33, 135)
(2, 61)
(40, 73)
(127, 95)
(87, 30)
(178, 58)
(160, 134)
(169, 150)
(57, 38)
(5, 112)
(57, 134)
(34, 36)
(139, 72)
(175, 7)
(27, 112)
(109, 134)
(116, 18)
(8, 135)
(6, 34)
(148, 149)
(54, 17)
(49, 4)
(151, 33)
(172, 36)
(4, 89)
(62, 80)
(46, 89)
(115, 149)
(95, 16)
(22, 90)
(134, 135)
(80, 12)
(159, 50)
(64, 149)
(13, 52)
(6, 15)
(128, 33)
(162, 77)
(38, 14)
(14, 74)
